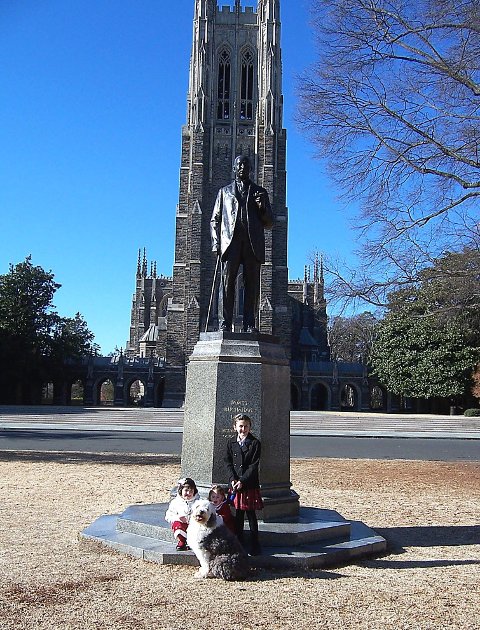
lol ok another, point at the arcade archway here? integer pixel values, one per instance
(319, 398)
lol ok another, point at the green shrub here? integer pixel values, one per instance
(472, 413)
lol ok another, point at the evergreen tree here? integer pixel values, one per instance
(428, 345)
(416, 356)
(34, 340)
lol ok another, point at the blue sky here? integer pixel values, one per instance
(93, 100)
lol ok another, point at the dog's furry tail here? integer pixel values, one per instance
(230, 567)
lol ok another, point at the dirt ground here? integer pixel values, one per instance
(428, 511)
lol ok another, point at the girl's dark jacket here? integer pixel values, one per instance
(242, 461)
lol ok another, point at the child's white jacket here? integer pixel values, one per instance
(180, 507)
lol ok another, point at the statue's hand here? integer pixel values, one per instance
(259, 198)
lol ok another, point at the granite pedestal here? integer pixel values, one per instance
(231, 373)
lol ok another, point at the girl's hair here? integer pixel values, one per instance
(186, 482)
(217, 490)
(242, 416)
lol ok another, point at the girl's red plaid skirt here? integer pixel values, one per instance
(248, 499)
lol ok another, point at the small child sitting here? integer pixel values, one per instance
(180, 509)
(218, 497)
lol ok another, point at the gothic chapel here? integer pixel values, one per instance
(234, 106)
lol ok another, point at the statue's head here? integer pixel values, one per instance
(242, 167)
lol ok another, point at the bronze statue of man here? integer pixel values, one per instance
(241, 213)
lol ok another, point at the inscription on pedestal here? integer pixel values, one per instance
(239, 406)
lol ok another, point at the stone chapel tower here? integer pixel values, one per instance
(234, 106)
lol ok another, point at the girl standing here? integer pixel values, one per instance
(243, 458)
(180, 509)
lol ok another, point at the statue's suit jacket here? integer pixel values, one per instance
(226, 213)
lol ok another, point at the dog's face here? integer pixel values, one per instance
(202, 511)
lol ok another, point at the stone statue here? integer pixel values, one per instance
(241, 213)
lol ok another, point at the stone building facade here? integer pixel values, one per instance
(148, 318)
(234, 107)
(317, 382)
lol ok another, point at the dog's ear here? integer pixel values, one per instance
(212, 520)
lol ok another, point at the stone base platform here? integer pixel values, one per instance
(316, 538)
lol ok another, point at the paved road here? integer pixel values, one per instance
(170, 443)
(313, 434)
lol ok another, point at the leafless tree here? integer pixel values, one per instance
(351, 338)
(393, 105)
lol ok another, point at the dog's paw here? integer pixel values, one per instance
(200, 574)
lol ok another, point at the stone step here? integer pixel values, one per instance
(362, 542)
(311, 526)
(303, 422)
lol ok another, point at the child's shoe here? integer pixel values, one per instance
(182, 544)
(255, 550)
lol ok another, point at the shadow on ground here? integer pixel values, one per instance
(430, 536)
(267, 575)
(63, 457)
(399, 538)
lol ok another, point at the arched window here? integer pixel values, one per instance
(348, 398)
(77, 393)
(223, 86)
(376, 398)
(47, 393)
(319, 398)
(107, 393)
(136, 394)
(246, 86)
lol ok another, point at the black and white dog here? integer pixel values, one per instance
(217, 549)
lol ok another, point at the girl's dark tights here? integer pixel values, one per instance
(252, 522)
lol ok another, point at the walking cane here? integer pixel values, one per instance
(213, 290)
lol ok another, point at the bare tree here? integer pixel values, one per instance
(351, 338)
(393, 105)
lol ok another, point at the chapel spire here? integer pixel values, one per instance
(139, 268)
(234, 107)
(270, 64)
